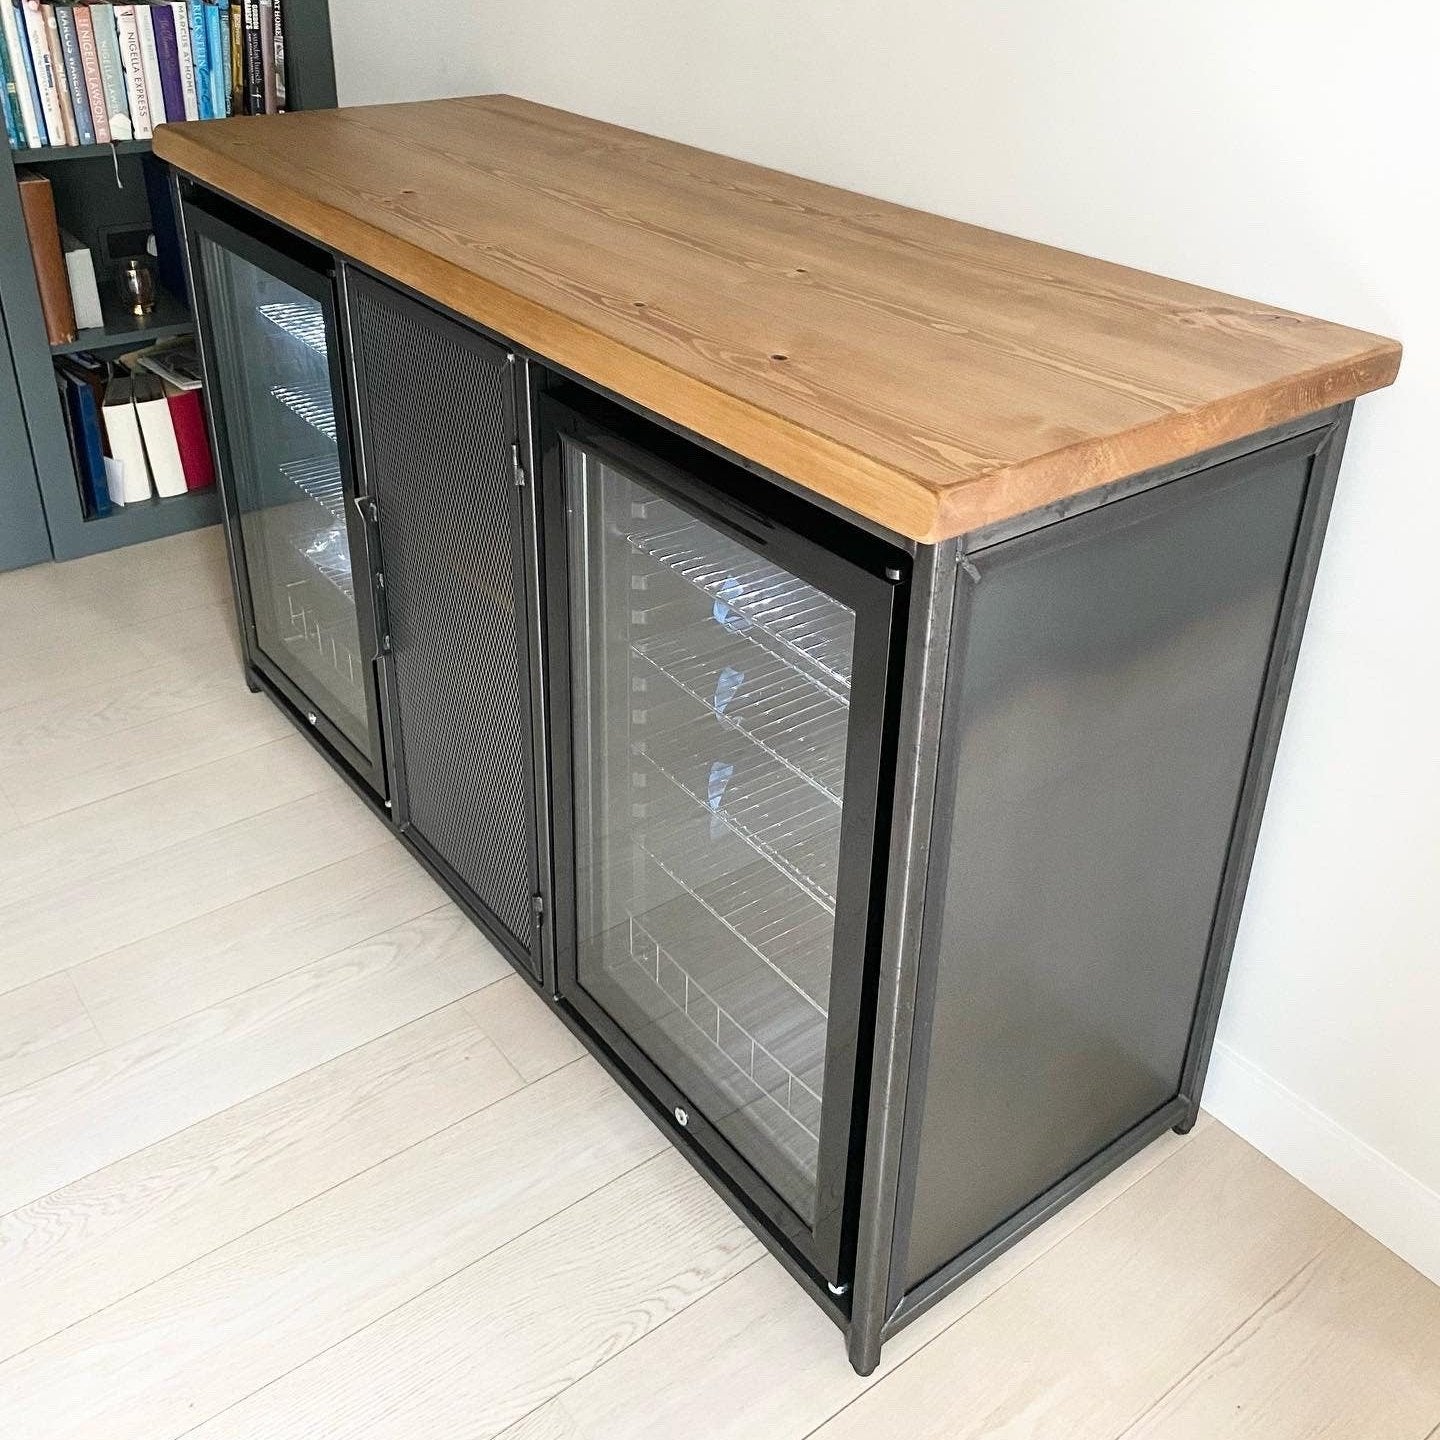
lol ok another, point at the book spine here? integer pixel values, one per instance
(200, 57)
(74, 73)
(235, 11)
(37, 206)
(10, 102)
(39, 49)
(90, 64)
(112, 71)
(254, 66)
(145, 28)
(267, 53)
(278, 49)
(217, 41)
(132, 57)
(57, 69)
(23, 72)
(185, 59)
(167, 57)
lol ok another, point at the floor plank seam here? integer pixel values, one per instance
(265, 1090)
(442, 1280)
(1229, 1335)
(871, 1382)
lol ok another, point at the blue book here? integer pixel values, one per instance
(167, 57)
(19, 47)
(75, 74)
(200, 57)
(9, 102)
(84, 416)
(217, 45)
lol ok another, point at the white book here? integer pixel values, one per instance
(157, 429)
(46, 81)
(84, 291)
(150, 59)
(127, 32)
(31, 121)
(181, 13)
(127, 449)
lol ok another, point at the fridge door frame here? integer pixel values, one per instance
(722, 494)
(314, 273)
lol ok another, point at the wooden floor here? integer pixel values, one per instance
(286, 1151)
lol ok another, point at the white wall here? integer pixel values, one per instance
(1285, 151)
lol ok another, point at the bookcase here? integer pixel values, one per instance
(100, 189)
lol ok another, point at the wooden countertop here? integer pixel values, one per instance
(930, 375)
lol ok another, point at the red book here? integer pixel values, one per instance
(187, 415)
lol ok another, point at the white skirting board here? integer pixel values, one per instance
(1381, 1198)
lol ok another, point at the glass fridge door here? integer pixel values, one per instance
(271, 355)
(720, 880)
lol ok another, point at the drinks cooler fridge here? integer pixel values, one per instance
(726, 676)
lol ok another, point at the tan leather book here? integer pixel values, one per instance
(37, 203)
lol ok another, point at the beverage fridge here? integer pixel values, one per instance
(721, 673)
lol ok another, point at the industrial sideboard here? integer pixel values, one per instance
(836, 653)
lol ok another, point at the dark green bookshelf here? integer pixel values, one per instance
(99, 190)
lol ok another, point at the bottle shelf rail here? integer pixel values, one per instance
(318, 478)
(735, 1046)
(314, 406)
(304, 323)
(749, 591)
(759, 694)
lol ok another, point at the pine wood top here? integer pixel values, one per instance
(930, 375)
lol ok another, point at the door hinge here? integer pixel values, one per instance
(517, 469)
(537, 909)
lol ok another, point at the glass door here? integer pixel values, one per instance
(726, 682)
(271, 354)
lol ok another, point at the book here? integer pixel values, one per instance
(267, 55)
(10, 102)
(279, 50)
(217, 41)
(164, 226)
(157, 430)
(87, 448)
(75, 87)
(127, 449)
(235, 15)
(37, 205)
(132, 57)
(57, 67)
(167, 58)
(200, 58)
(84, 291)
(176, 361)
(187, 420)
(12, 23)
(46, 79)
(112, 71)
(90, 64)
(145, 28)
(189, 91)
(254, 66)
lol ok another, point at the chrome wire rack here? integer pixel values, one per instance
(312, 633)
(314, 406)
(781, 816)
(319, 478)
(764, 697)
(752, 1061)
(749, 591)
(304, 323)
(786, 931)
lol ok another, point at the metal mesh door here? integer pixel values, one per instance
(437, 426)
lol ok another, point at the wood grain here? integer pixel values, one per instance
(43, 1028)
(637, 1252)
(131, 1223)
(927, 374)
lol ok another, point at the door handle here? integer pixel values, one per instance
(369, 513)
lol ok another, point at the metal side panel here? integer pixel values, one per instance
(1109, 682)
(437, 429)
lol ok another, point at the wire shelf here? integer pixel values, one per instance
(319, 478)
(305, 323)
(311, 634)
(782, 817)
(786, 930)
(315, 407)
(752, 690)
(754, 1062)
(750, 591)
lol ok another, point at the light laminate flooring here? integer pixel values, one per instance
(287, 1151)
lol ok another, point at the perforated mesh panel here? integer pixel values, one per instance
(437, 447)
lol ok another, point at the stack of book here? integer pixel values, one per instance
(136, 425)
(87, 74)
